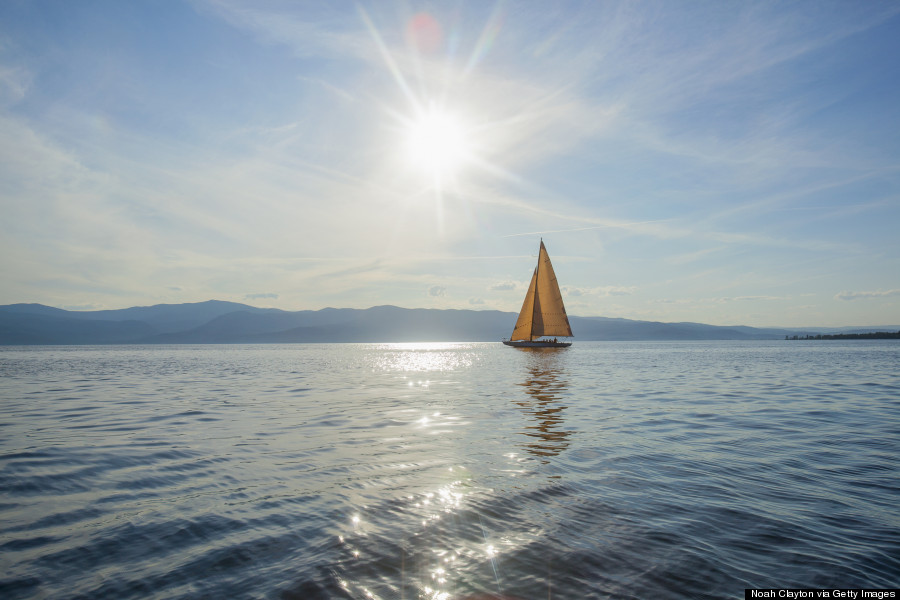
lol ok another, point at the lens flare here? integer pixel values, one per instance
(424, 33)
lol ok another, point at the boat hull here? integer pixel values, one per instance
(536, 344)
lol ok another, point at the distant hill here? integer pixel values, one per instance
(216, 322)
(30, 328)
(163, 318)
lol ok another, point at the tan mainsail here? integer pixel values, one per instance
(543, 312)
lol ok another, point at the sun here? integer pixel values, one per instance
(437, 143)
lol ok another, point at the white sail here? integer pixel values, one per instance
(543, 312)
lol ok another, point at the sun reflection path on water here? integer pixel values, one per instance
(441, 538)
(429, 545)
(431, 565)
(422, 357)
(448, 552)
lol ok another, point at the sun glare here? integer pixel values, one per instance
(437, 143)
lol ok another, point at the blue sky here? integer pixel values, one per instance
(720, 162)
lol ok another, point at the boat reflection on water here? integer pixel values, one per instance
(546, 386)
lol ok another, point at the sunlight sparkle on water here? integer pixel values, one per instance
(423, 357)
(443, 565)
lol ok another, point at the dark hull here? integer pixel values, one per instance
(536, 344)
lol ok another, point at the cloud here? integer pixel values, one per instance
(14, 83)
(690, 257)
(262, 296)
(323, 35)
(503, 286)
(476, 301)
(603, 292)
(612, 290)
(866, 295)
(83, 307)
(437, 291)
(747, 298)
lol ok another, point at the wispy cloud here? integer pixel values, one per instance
(14, 82)
(600, 292)
(724, 299)
(867, 295)
(326, 32)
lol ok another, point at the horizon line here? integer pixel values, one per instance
(874, 328)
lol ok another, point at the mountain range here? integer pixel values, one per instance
(218, 322)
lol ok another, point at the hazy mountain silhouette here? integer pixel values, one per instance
(28, 328)
(230, 322)
(164, 318)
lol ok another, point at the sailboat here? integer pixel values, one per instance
(543, 313)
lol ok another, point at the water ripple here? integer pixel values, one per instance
(448, 471)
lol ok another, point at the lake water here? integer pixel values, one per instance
(443, 471)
